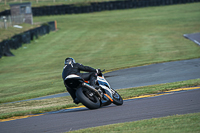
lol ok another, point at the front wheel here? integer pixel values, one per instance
(117, 100)
(88, 98)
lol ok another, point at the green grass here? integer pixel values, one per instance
(107, 40)
(188, 123)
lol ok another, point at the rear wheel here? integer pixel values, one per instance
(88, 98)
(117, 100)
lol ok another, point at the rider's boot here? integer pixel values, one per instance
(76, 101)
(73, 95)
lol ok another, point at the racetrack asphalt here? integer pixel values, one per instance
(148, 75)
(132, 110)
(155, 74)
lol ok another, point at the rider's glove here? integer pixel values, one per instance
(98, 71)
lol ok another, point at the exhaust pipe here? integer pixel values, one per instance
(92, 89)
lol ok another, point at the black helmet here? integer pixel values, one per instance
(69, 60)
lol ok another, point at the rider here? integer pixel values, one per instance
(71, 67)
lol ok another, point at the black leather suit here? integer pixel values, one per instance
(75, 68)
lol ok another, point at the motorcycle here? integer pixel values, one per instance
(91, 97)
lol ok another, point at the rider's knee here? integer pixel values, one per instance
(93, 74)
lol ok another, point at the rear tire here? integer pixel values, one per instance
(117, 100)
(87, 98)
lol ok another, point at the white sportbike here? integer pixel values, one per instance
(89, 96)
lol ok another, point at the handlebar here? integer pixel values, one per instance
(100, 74)
(103, 70)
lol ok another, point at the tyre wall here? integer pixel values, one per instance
(24, 38)
(99, 6)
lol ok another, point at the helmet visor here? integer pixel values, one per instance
(68, 61)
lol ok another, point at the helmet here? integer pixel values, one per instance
(69, 60)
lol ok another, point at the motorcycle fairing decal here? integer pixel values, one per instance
(109, 97)
(100, 78)
(102, 81)
(107, 90)
(86, 81)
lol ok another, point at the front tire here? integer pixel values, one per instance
(117, 100)
(87, 98)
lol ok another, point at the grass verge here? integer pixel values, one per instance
(47, 105)
(188, 123)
